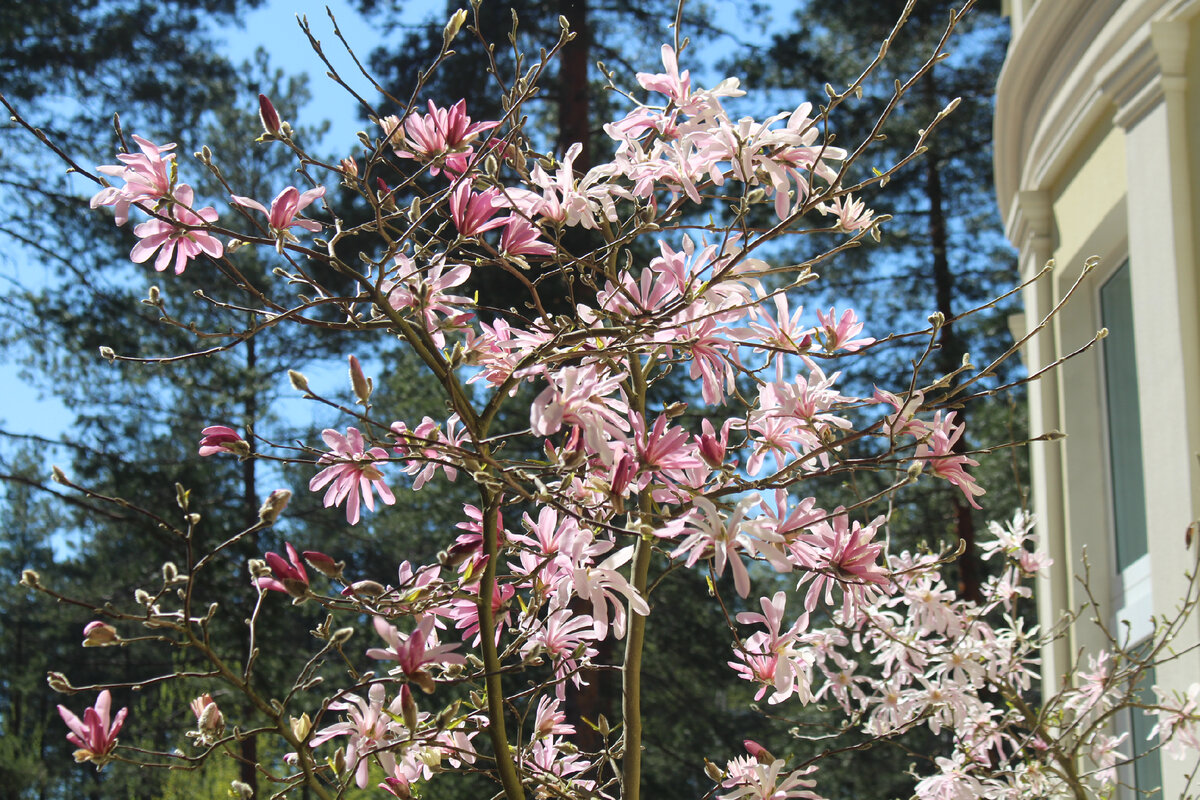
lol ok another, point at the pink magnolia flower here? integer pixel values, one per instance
(523, 238)
(566, 200)
(222, 439)
(565, 637)
(428, 449)
(284, 210)
(96, 734)
(712, 535)
(841, 553)
(600, 585)
(1105, 755)
(582, 396)
(852, 214)
(146, 178)
(937, 451)
(1093, 686)
(288, 577)
(475, 212)
(755, 780)
(550, 720)
(838, 333)
(366, 727)
(415, 651)
(351, 473)
(443, 136)
(422, 288)
(712, 447)
(674, 84)
(1178, 725)
(181, 235)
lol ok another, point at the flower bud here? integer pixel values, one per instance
(268, 115)
(339, 761)
(30, 578)
(408, 708)
(359, 382)
(274, 505)
(99, 634)
(367, 589)
(387, 200)
(59, 683)
(453, 26)
(447, 715)
(240, 790)
(398, 787)
(301, 726)
(324, 564)
(210, 722)
(299, 382)
(625, 471)
(760, 753)
(222, 439)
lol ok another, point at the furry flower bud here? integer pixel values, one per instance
(99, 634)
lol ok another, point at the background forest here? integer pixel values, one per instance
(131, 430)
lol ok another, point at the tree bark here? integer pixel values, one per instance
(574, 100)
(951, 349)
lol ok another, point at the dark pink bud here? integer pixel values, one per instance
(222, 439)
(760, 753)
(269, 116)
(623, 474)
(324, 564)
(288, 576)
(458, 552)
(386, 200)
(408, 707)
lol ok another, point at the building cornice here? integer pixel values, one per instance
(1072, 67)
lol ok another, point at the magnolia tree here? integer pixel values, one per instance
(464, 665)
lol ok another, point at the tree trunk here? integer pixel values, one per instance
(951, 349)
(574, 111)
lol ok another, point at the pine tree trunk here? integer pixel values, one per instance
(574, 110)
(951, 349)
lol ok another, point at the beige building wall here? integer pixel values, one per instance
(1098, 154)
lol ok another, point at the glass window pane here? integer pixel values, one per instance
(1124, 432)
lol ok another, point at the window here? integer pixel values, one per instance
(1132, 597)
(1124, 430)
